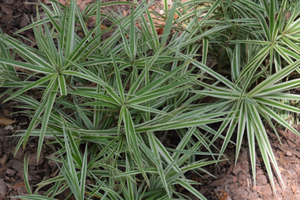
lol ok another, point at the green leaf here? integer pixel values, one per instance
(70, 40)
(33, 197)
(26, 174)
(169, 23)
(89, 76)
(48, 109)
(155, 149)
(30, 86)
(118, 80)
(62, 85)
(191, 189)
(132, 140)
(274, 78)
(147, 109)
(132, 38)
(34, 68)
(178, 124)
(101, 97)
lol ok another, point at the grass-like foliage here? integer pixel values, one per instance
(109, 104)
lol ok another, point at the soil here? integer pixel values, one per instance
(236, 181)
(232, 182)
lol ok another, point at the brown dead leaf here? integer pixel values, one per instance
(6, 9)
(287, 15)
(83, 3)
(282, 159)
(218, 182)
(5, 122)
(24, 22)
(3, 160)
(159, 31)
(17, 185)
(33, 159)
(222, 195)
(7, 19)
(6, 112)
(175, 16)
(82, 6)
(103, 27)
(124, 13)
(64, 2)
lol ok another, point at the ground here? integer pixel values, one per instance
(232, 181)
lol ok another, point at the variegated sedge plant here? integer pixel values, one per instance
(262, 51)
(118, 98)
(140, 95)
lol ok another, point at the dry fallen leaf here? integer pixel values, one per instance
(5, 122)
(3, 160)
(223, 195)
(103, 27)
(17, 185)
(287, 15)
(159, 31)
(175, 16)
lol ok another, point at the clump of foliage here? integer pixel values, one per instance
(107, 103)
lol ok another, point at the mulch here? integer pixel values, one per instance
(236, 182)
(232, 182)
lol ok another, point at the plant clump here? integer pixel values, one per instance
(108, 102)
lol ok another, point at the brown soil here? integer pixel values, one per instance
(236, 182)
(232, 182)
